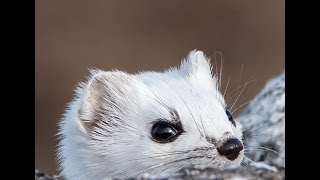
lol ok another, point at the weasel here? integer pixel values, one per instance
(121, 125)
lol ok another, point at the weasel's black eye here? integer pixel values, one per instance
(164, 132)
(230, 117)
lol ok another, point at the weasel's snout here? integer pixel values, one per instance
(231, 148)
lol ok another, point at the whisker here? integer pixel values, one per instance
(225, 90)
(254, 130)
(263, 148)
(221, 67)
(249, 141)
(238, 97)
(241, 70)
(244, 161)
(160, 101)
(216, 74)
(160, 155)
(216, 64)
(249, 161)
(241, 106)
(256, 135)
(202, 125)
(234, 91)
(190, 113)
(176, 161)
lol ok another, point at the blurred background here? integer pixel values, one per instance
(73, 36)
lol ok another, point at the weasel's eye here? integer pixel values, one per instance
(230, 117)
(164, 132)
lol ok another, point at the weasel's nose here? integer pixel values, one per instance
(231, 148)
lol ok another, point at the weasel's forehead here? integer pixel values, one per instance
(175, 86)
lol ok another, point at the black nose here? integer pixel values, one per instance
(231, 148)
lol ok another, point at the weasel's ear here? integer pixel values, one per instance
(196, 64)
(103, 93)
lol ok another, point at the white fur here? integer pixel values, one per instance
(130, 103)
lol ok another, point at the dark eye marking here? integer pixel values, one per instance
(230, 117)
(165, 132)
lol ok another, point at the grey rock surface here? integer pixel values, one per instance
(242, 173)
(264, 121)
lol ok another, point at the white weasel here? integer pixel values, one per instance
(122, 125)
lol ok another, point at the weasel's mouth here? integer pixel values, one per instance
(234, 162)
(223, 162)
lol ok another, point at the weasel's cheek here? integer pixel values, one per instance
(238, 133)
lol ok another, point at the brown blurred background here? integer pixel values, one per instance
(73, 36)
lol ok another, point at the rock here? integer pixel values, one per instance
(264, 120)
(242, 173)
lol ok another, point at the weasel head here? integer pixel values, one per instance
(123, 125)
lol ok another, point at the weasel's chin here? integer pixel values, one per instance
(233, 166)
(237, 162)
(228, 164)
